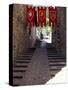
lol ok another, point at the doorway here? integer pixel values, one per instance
(45, 33)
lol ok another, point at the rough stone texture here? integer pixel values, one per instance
(38, 71)
(57, 30)
(20, 34)
(33, 36)
(61, 29)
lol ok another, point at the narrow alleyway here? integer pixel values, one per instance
(37, 47)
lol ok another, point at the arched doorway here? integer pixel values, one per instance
(45, 33)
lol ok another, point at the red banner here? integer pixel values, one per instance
(52, 15)
(31, 16)
(41, 16)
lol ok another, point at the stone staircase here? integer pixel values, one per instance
(21, 65)
(56, 61)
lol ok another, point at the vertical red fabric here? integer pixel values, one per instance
(41, 16)
(52, 15)
(30, 15)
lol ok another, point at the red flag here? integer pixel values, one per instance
(41, 16)
(30, 15)
(52, 15)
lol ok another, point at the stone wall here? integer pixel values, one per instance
(20, 32)
(63, 30)
(59, 35)
(33, 36)
(57, 31)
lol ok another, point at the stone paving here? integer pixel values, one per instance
(38, 70)
(42, 66)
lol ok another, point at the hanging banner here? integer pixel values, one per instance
(52, 15)
(30, 15)
(41, 16)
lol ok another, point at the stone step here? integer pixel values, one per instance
(56, 67)
(26, 55)
(57, 63)
(16, 85)
(17, 77)
(52, 75)
(56, 58)
(19, 70)
(22, 61)
(17, 82)
(32, 49)
(51, 48)
(18, 73)
(20, 66)
(16, 68)
(29, 52)
(52, 53)
(54, 72)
